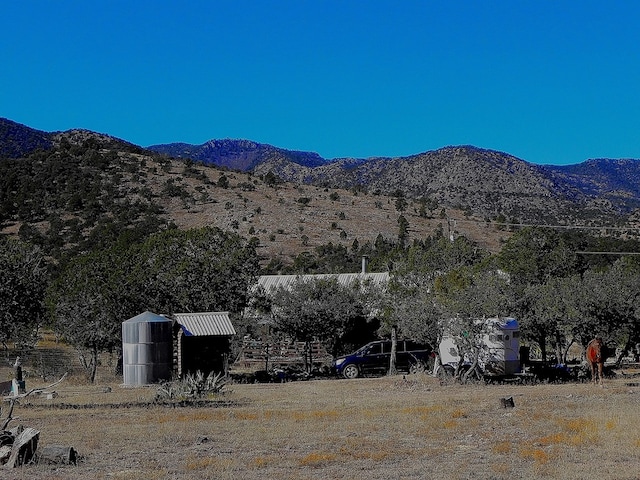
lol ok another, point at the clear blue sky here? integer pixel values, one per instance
(547, 81)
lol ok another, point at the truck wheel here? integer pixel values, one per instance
(351, 371)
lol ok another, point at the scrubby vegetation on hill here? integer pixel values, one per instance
(90, 190)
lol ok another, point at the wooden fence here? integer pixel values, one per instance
(266, 355)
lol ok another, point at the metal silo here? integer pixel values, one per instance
(147, 349)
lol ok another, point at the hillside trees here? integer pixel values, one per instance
(436, 254)
(174, 271)
(78, 188)
(534, 255)
(468, 295)
(610, 305)
(90, 300)
(563, 298)
(23, 282)
(540, 263)
(320, 309)
(549, 314)
(410, 307)
(337, 258)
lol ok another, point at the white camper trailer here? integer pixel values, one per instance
(499, 348)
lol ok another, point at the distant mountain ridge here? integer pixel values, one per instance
(243, 155)
(17, 140)
(600, 176)
(486, 183)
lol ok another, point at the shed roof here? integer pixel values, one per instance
(271, 282)
(205, 324)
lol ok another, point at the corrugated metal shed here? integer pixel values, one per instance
(205, 324)
(272, 282)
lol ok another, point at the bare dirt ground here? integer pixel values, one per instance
(401, 427)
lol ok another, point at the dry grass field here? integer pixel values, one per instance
(373, 428)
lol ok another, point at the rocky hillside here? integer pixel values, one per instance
(481, 182)
(78, 188)
(616, 181)
(90, 189)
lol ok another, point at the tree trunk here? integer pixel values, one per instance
(566, 351)
(474, 369)
(543, 347)
(120, 362)
(94, 364)
(559, 353)
(306, 356)
(631, 345)
(394, 347)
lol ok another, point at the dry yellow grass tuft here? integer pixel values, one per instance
(317, 459)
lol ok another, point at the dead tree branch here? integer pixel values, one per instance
(14, 398)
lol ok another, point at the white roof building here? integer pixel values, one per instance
(272, 282)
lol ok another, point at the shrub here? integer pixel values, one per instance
(192, 387)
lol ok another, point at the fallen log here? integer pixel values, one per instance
(5, 453)
(57, 455)
(24, 448)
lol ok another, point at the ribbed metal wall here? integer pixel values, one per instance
(147, 349)
(272, 282)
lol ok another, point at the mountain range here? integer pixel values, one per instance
(484, 183)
